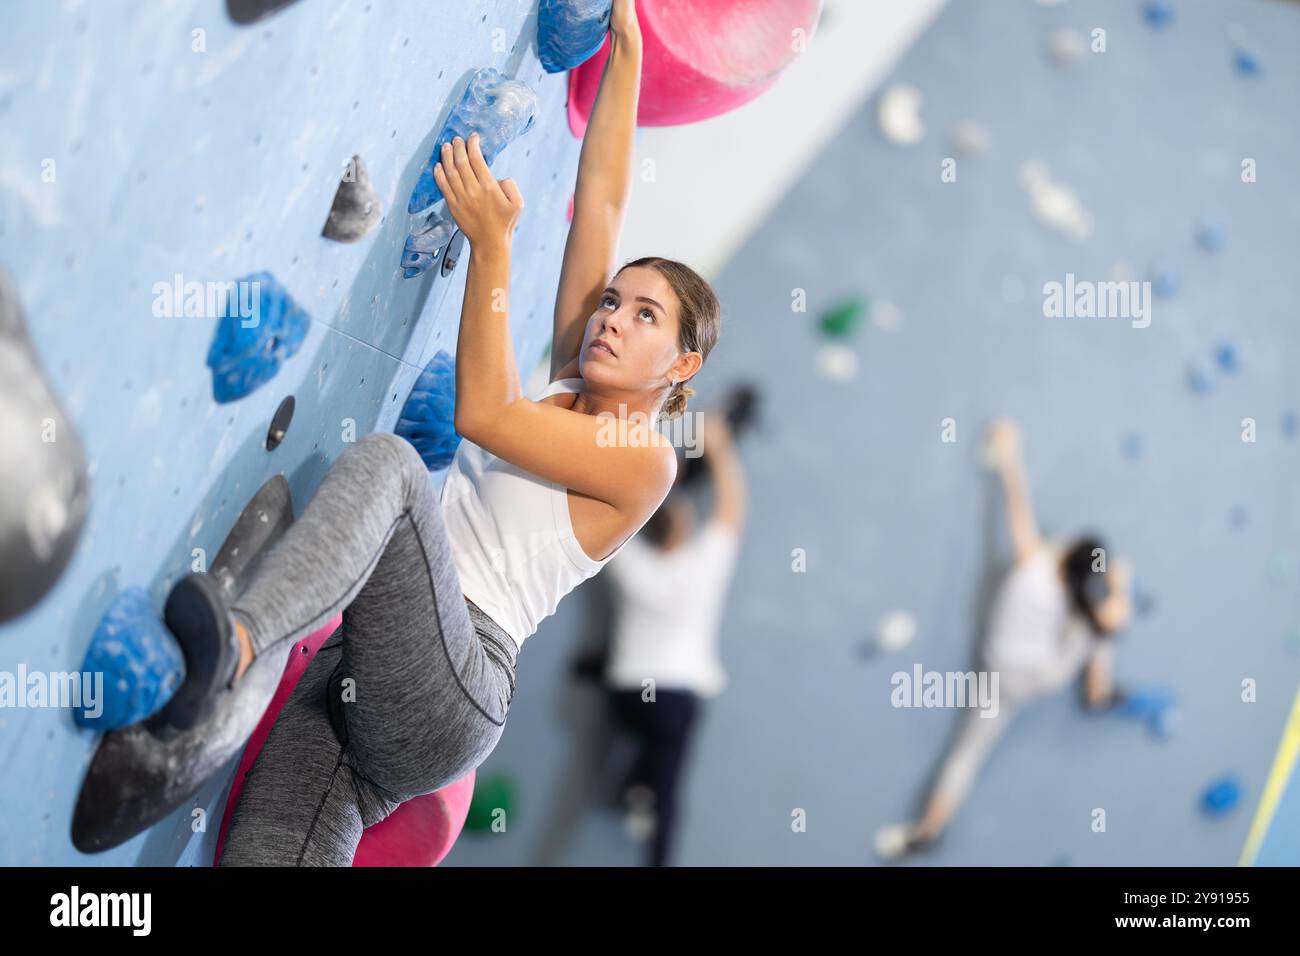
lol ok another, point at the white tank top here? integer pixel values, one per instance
(1033, 629)
(512, 537)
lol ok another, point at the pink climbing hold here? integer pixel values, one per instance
(701, 58)
(420, 832)
(570, 213)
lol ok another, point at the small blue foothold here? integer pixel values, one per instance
(1165, 280)
(1199, 377)
(1221, 795)
(1227, 357)
(1133, 446)
(1237, 517)
(569, 32)
(422, 247)
(1154, 706)
(1290, 424)
(1246, 63)
(141, 663)
(428, 418)
(1210, 235)
(1157, 13)
(260, 328)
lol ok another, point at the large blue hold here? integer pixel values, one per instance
(260, 328)
(428, 419)
(499, 110)
(141, 662)
(569, 32)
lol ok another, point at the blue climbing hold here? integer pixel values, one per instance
(1154, 706)
(1221, 795)
(422, 247)
(1132, 446)
(1210, 236)
(1290, 424)
(1237, 517)
(1157, 13)
(1199, 377)
(141, 663)
(429, 415)
(569, 32)
(1246, 63)
(1227, 357)
(1165, 280)
(260, 328)
(498, 109)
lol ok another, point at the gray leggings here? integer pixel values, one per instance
(409, 694)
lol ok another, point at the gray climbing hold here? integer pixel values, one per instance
(44, 488)
(356, 206)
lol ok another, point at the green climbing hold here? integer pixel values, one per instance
(843, 319)
(494, 798)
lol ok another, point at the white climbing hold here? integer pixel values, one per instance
(1066, 46)
(1054, 203)
(886, 316)
(838, 363)
(969, 138)
(899, 114)
(895, 631)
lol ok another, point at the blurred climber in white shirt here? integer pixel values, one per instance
(1054, 619)
(669, 586)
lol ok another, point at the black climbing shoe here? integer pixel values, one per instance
(197, 617)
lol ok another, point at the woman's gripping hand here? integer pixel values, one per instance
(486, 209)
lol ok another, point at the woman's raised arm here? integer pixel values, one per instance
(625, 463)
(600, 195)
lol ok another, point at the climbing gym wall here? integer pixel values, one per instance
(146, 148)
(1136, 432)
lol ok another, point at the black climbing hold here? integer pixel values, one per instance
(356, 205)
(250, 11)
(279, 424)
(452, 253)
(264, 519)
(44, 488)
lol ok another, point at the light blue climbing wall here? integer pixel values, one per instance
(180, 142)
(1150, 135)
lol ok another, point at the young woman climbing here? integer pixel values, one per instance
(1055, 616)
(439, 592)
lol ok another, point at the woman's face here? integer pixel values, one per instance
(630, 342)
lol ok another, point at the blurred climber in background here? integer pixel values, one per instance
(669, 586)
(1054, 616)
(438, 593)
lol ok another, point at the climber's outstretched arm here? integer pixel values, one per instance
(600, 196)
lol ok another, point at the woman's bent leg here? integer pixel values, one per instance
(425, 679)
(301, 805)
(327, 555)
